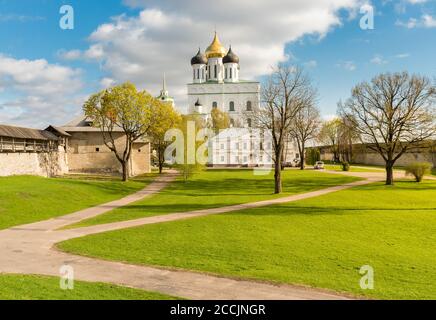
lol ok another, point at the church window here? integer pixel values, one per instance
(249, 123)
(215, 105)
(232, 106)
(97, 149)
(216, 71)
(194, 74)
(198, 73)
(249, 106)
(231, 73)
(202, 73)
(222, 146)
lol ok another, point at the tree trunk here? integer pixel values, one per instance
(278, 178)
(160, 167)
(125, 166)
(389, 173)
(302, 158)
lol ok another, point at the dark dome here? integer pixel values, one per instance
(231, 57)
(199, 58)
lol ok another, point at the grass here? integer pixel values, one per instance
(27, 199)
(218, 188)
(320, 242)
(353, 168)
(27, 287)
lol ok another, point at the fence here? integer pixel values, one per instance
(27, 145)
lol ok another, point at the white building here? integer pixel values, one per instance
(216, 84)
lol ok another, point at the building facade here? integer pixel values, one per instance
(216, 84)
(87, 152)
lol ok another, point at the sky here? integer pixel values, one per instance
(46, 72)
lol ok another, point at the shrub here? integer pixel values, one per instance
(418, 170)
(312, 156)
(345, 166)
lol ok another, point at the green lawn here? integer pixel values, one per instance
(353, 168)
(321, 242)
(26, 287)
(217, 188)
(26, 199)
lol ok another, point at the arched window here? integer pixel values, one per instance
(216, 71)
(232, 106)
(198, 73)
(249, 106)
(215, 105)
(231, 73)
(249, 123)
(226, 73)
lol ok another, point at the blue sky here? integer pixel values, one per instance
(46, 72)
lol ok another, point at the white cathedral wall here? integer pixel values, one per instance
(224, 93)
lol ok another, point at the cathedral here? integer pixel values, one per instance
(216, 84)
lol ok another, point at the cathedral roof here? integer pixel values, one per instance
(216, 49)
(231, 57)
(199, 58)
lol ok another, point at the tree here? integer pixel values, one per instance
(121, 110)
(164, 117)
(220, 120)
(186, 167)
(286, 92)
(393, 113)
(304, 128)
(329, 135)
(347, 136)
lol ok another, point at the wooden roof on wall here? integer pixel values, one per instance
(26, 133)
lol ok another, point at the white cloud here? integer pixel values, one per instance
(166, 34)
(410, 24)
(402, 55)
(35, 93)
(347, 65)
(311, 64)
(416, 1)
(426, 21)
(429, 21)
(70, 55)
(378, 59)
(107, 82)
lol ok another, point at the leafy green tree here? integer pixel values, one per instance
(164, 117)
(121, 109)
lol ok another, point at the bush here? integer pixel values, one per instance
(345, 166)
(312, 156)
(418, 170)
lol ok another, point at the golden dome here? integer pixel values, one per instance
(216, 49)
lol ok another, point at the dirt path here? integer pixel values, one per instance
(29, 249)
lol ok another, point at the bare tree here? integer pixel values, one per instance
(392, 114)
(347, 136)
(304, 128)
(285, 93)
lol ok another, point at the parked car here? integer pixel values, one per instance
(319, 165)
